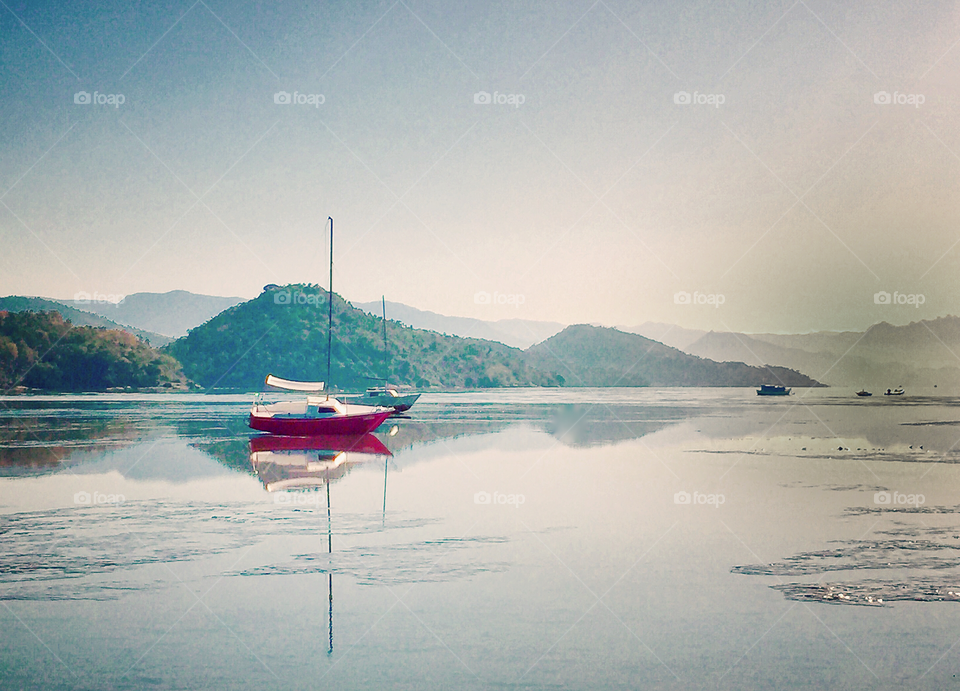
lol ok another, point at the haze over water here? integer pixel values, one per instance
(645, 538)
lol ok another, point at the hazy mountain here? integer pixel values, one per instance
(287, 336)
(519, 333)
(172, 314)
(596, 356)
(668, 334)
(916, 356)
(18, 303)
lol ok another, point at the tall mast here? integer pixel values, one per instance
(330, 309)
(386, 376)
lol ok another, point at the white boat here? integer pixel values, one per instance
(388, 397)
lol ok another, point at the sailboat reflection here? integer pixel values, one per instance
(303, 463)
(309, 463)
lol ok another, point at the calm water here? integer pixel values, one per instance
(513, 539)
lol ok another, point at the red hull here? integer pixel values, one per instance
(312, 427)
(368, 444)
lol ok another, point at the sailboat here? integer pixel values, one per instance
(387, 395)
(316, 414)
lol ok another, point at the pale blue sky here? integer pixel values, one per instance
(597, 199)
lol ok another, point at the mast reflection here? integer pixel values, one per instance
(309, 463)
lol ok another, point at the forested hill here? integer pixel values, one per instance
(597, 356)
(42, 350)
(284, 332)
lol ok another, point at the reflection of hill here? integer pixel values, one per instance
(411, 433)
(42, 444)
(233, 453)
(574, 425)
(602, 425)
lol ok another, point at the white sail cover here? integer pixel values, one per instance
(288, 385)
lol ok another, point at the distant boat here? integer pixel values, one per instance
(387, 396)
(864, 392)
(773, 390)
(317, 415)
(895, 392)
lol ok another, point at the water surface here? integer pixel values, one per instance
(572, 538)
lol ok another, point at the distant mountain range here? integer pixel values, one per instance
(172, 314)
(918, 356)
(78, 317)
(596, 356)
(240, 346)
(668, 334)
(518, 333)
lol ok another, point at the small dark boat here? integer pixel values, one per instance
(772, 390)
(386, 396)
(864, 392)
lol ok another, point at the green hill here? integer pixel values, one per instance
(597, 356)
(42, 350)
(284, 332)
(78, 317)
